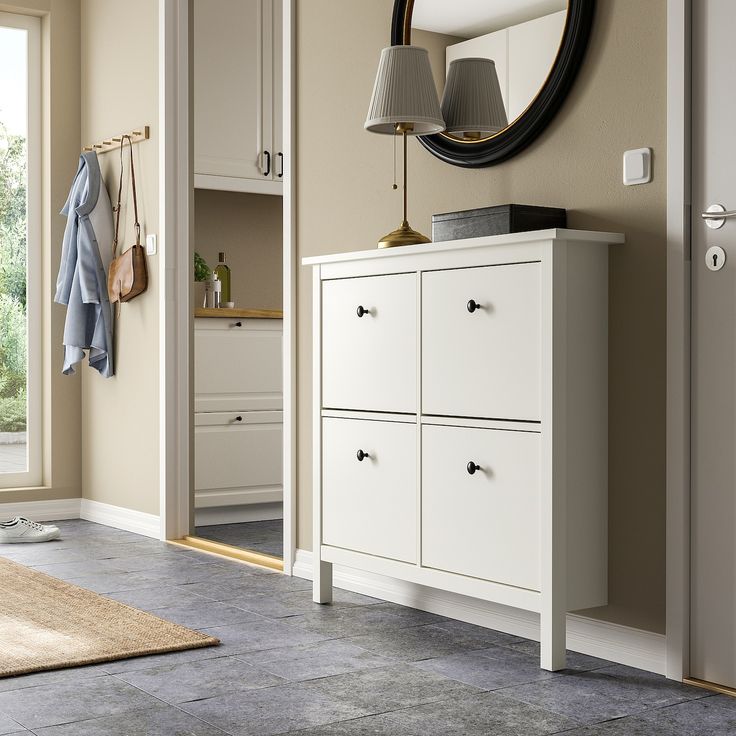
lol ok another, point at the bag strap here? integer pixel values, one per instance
(120, 193)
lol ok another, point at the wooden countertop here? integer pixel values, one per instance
(242, 313)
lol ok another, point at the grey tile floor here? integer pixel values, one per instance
(260, 536)
(285, 665)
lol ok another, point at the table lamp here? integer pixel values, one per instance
(404, 101)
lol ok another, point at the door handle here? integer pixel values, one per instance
(267, 155)
(280, 157)
(715, 216)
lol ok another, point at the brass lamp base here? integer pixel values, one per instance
(403, 235)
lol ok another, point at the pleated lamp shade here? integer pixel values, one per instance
(404, 92)
(472, 104)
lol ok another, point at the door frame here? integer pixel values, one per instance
(176, 201)
(678, 449)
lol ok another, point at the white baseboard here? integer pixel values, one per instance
(238, 514)
(149, 525)
(64, 508)
(621, 644)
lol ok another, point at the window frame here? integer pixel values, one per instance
(33, 476)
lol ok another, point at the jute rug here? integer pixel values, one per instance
(47, 624)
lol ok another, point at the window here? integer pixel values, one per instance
(20, 251)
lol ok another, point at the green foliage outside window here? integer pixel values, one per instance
(13, 327)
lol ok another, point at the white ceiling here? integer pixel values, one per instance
(471, 18)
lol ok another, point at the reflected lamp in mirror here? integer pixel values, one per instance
(472, 105)
(404, 102)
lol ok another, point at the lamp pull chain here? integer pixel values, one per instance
(395, 185)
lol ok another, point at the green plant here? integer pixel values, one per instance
(13, 413)
(201, 270)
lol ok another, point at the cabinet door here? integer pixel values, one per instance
(369, 361)
(485, 525)
(484, 362)
(237, 368)
(237, 458)
(370, 505)
(229, 112)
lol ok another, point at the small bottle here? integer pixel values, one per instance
(223, 273)
(216, 291)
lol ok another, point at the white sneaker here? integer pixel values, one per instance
(21, 530)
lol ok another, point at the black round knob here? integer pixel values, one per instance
(472, 467)
(238, 419)
(473, 305)
(361, 455)
(238, 324)
(360, 311)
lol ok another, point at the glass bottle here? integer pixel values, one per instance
(223, 274)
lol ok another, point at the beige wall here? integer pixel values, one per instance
(248, 228)
(61, 121)
(120, 422)
(618, 102)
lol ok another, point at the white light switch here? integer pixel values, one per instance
(151, 245)
(638, 166)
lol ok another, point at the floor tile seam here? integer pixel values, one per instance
(36, 729)
(103, 673)
(634, 713)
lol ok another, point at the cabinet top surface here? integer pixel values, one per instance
(222, 312)
(534, 236)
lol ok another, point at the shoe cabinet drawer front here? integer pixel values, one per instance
(370, 505)
(237, 449)
(481, 342)
(484, 524)
(369, 355)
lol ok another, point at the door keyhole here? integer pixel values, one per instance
(715, 258)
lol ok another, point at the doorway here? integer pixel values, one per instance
(228, 406)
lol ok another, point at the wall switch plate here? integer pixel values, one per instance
(151, 245)
(638, 166)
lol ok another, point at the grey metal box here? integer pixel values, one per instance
(498, 220)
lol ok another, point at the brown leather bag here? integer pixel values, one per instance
(128, 276)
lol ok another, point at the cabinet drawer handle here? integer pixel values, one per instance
(238, 419)
(473, 305)
(360, 311)
(280, 157)
(267, 172)
(236, 324)
(361, 455)
(472, 467)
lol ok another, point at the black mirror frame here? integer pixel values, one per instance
(536, 117)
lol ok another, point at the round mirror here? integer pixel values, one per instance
(502, 67)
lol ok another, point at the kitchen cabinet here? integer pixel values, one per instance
(238, 422)
(238, 70)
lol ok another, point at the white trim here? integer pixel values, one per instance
(238, 514)
(289, 280)
(678, 338)
(138, 522)
(622, 644)
(64, 508)
(175, 317)
(34, 269)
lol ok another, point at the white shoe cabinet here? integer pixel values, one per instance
(461, 420)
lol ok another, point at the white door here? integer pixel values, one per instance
(713, 481)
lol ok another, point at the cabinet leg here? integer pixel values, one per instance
(553, 636)
(322, 582)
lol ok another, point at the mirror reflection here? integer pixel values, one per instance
(520, 37)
